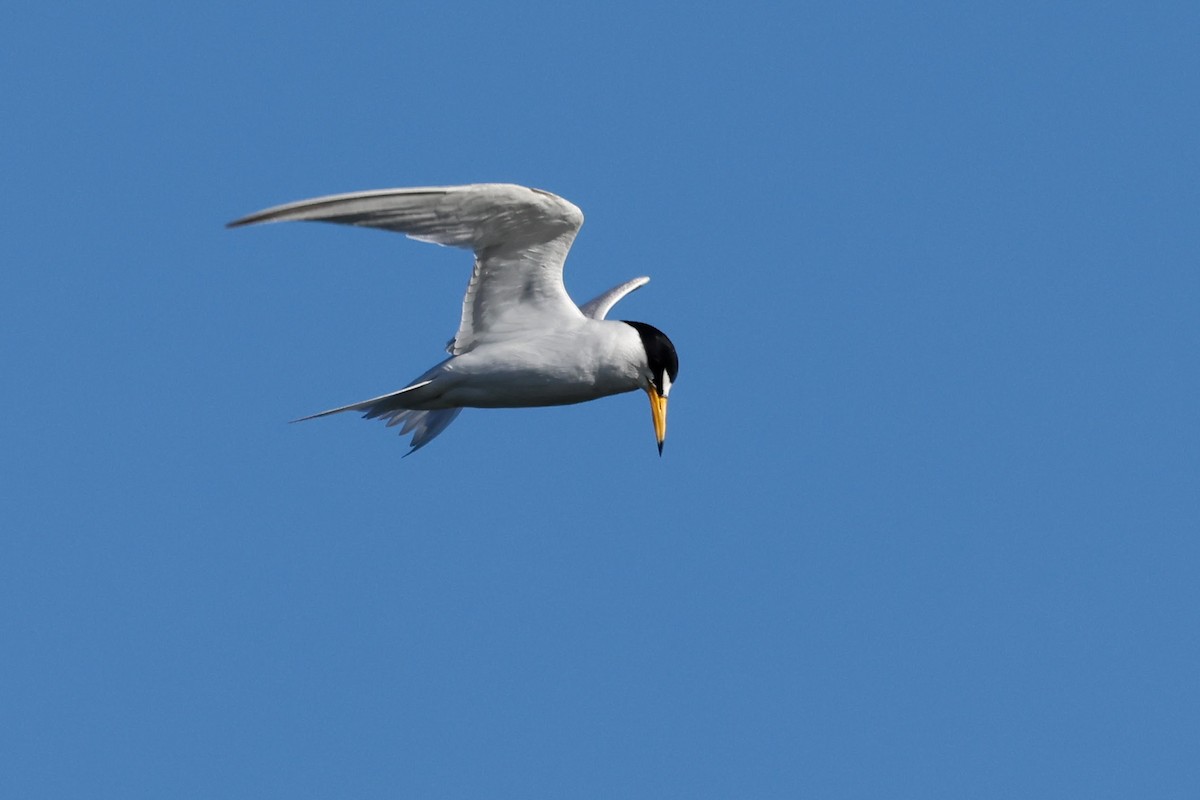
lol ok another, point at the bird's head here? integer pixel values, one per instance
(658, 374)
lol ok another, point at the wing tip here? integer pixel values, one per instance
(267, 215)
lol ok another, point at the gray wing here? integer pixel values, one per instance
(520, 237)
(599, 306)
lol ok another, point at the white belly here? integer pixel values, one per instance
(547, 371)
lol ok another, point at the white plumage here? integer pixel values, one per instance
(521, 340)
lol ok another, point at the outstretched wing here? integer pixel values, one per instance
(599, 306)
(520, 237)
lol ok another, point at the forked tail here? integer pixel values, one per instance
(423, 425)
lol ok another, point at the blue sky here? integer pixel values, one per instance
(927, 520)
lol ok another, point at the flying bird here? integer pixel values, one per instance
(521, 340)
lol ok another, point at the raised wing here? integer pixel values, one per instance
(520, 237)
(599, 306)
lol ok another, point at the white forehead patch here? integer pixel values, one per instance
(666, 384)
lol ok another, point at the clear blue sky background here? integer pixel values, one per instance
(927, 521)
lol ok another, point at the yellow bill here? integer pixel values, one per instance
(658, 408)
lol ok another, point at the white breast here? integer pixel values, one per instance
(593, 359)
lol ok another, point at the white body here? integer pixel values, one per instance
(576, 363)
(521, 340)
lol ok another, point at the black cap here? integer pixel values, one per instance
(660, 353)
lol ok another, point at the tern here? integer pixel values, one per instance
(521, 340)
